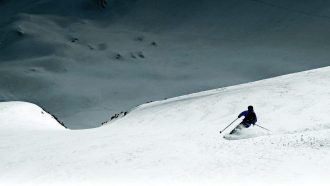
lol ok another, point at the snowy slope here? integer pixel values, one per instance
(25, 116)
(62, 54)
(177, 141)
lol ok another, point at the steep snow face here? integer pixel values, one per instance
(177, 141)
(25, 116)
(85, 63)
(288, 103)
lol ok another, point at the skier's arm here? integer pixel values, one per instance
(242, 114)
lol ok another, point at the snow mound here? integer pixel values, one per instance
(26, 116)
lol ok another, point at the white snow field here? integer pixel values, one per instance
(84, 63)
(177, 141)
(24, 116)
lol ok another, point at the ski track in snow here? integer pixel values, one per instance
(177, 141)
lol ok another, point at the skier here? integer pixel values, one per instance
(250, 118)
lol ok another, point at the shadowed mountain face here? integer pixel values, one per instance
(237, 16)
(84, 63)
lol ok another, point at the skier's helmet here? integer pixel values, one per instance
(250, 108)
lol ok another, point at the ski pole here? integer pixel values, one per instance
(228, 126)
(262, 127)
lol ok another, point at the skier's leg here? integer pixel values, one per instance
(237, 128)
(246, 125)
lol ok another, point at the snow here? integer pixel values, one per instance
(26, 116)
(177, 141)
(61, 54)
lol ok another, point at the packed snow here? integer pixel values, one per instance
(26, 116)
(177, 141)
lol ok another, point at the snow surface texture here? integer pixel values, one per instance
(25, 116)
(84, 63)
(177, 141)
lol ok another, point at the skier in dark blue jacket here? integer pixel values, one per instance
(250, 118)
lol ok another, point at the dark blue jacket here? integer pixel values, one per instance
(249, 117)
